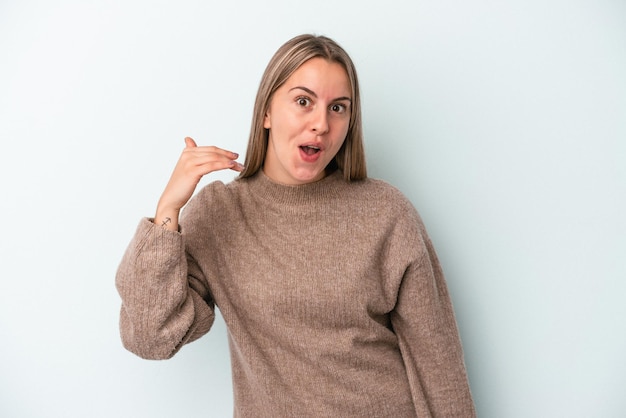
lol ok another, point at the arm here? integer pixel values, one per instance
(165, 298)
(424, 322)
(194, 163)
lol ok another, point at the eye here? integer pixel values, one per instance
(338, 108)
(303, 101)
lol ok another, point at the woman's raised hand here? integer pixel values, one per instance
(194, 163)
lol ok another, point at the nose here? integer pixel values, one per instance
(319, 121)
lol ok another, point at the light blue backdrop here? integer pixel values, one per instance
(504, 123)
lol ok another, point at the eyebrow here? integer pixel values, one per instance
(312, 93)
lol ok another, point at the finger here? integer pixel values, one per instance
(199, 156)
(237, 166)
(212, 166)
(190, 143)
(213, 151)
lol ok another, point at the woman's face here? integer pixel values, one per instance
(308, 121)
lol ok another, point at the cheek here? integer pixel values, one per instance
(290, 128)
(342, 140)
(343, 131)
(339, 143)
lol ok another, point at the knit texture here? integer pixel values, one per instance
(333, 297)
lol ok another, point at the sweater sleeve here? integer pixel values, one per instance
(165, 299)
(424, 322)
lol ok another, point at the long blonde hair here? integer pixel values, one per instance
(350, 158)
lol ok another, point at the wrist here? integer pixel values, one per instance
(167, 219)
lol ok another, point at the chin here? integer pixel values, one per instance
(309, 176)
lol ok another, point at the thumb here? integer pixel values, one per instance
(190, 143)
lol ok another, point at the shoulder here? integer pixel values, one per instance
(207, 195)
(382, 189)
(218, 193)
(215, 197)
(390, 203)
(380, 192)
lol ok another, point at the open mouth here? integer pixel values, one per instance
(310, 149)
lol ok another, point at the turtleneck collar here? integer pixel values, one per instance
(327, 188)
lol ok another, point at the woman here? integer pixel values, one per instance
(332, 294)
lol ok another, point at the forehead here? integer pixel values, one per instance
(321, 76)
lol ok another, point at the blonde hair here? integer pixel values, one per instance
(350, 158)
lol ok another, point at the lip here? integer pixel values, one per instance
(311, 158)
(313, 144)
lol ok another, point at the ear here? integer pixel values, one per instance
(267, 124)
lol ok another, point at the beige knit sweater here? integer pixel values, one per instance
(332, 294)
